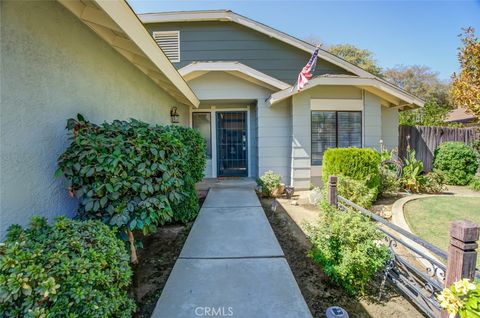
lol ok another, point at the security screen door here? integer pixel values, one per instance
(232, 160)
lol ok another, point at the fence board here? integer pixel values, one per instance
(425, 140)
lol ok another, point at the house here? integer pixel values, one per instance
(460, 115)
(62, 58)
(253, 120)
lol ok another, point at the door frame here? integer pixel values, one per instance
(213, 110)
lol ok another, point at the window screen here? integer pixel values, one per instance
(202, 123)
(334, 129)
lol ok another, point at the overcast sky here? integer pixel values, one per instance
(398, 32)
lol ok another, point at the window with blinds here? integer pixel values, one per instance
(332, 129)
(169, 42)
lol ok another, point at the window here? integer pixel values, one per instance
(332, 129)
(169, 42)
(202, 123)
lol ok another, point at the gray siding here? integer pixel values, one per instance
(53, 67)
(228, 41)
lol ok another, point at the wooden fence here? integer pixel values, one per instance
(424, 140)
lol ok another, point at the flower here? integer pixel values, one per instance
(463, 286)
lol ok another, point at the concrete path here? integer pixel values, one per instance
(231, 264)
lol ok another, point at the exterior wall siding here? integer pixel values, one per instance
(228, 41)
(49, 74)
(225, 91)
(390, 123)
(372, 121)
(302, 172)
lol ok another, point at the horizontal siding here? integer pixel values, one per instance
(390, 120)
(372, 121)
(228, 41)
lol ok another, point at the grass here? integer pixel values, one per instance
(429, 217)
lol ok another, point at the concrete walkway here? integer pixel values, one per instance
(231, 264)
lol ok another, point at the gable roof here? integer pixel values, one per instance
(230, 16)
(117, 24)
(460, 115)
(238, 69)
(383, 89)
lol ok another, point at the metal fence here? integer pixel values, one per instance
(417, 267)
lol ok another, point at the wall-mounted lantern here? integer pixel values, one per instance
(174, 115)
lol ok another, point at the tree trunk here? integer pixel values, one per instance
(133, 249)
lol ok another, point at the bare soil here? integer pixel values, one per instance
(156, 260)
(319, 292)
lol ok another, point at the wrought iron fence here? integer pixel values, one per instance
(414, 267)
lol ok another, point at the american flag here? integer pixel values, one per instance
(307, 71)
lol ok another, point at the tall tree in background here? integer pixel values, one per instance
(359, 57)
(422, 82)
(465, 88)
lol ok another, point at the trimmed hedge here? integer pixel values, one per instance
(66, 269)
(457, 161)
(360, 164)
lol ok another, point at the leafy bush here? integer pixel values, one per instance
(434, 182)
(475, 183)
(356, 191)
(187, 209)
(412, 179)
(458, 161)
(67, 269)
(356, 163)
(269, 182)
(130, 175)
(196, 150)
(346, 245)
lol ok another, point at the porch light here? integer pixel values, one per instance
(174, 115)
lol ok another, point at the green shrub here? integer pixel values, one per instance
(475, 183)
(388, 181)
(346, 246)
(356, 191)
(269, 182)
(434, 182)
(67, 269)
(187, 209)
(412, 178)
(458, 161)
(130, 175)
(196, 150)
(356, 163)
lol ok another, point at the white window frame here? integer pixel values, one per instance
(155, 34)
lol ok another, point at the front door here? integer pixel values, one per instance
(232, 160)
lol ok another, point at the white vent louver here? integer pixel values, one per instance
(169, 42)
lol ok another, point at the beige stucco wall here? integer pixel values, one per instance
(53, 67)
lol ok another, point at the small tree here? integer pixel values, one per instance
(465, 88)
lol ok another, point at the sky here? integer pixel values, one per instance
(397, 32)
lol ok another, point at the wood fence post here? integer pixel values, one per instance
(462, 254)
(332, 191)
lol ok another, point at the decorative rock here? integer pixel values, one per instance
(294, 202)
(315, 196)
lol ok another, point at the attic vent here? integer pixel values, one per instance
(169, 42)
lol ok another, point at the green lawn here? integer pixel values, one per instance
(429, 217)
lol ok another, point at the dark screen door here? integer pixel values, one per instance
(232, 144)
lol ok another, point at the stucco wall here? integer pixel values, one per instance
(53, 67)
